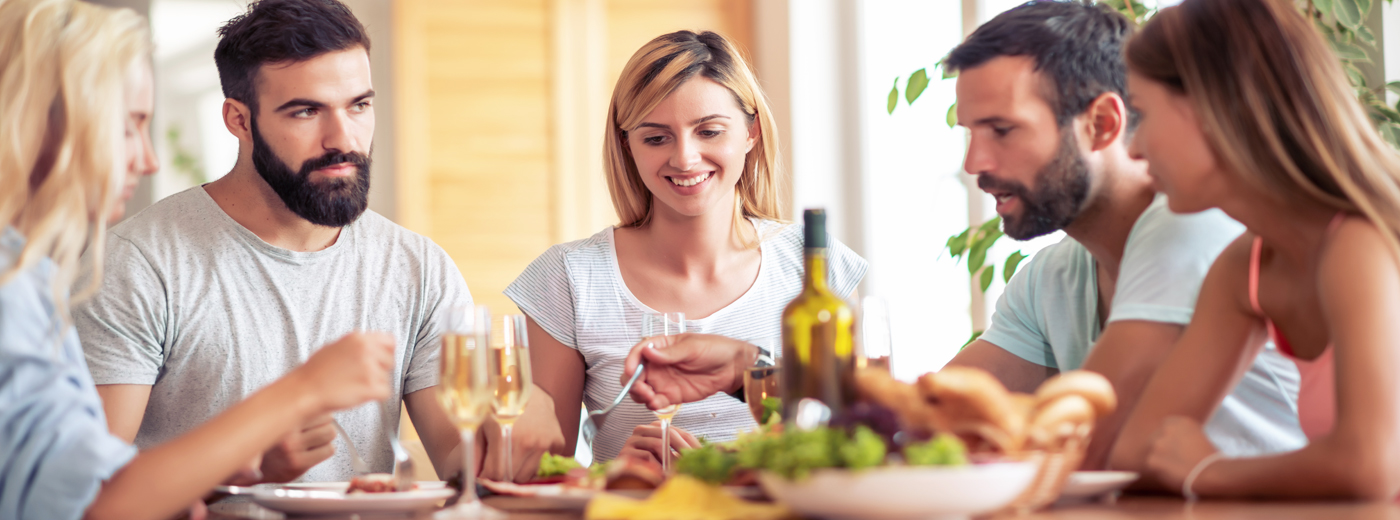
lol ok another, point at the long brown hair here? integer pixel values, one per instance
(1274, 103)
(656, 70)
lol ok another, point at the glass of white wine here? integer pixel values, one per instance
(763, 379)
(510, 371)
(876, 346)
(465, 393)
(664, 324)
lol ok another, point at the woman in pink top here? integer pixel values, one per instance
(1245, 108)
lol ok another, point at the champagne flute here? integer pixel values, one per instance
(876, 343)
(664, 324)
(510, 370)
(465, 393)
(763, 379)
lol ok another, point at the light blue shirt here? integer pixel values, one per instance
(55, 450)
(1049, 316)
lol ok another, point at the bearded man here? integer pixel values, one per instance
(219, 290)
(1041, 90)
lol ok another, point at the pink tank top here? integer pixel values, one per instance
(1317, 387)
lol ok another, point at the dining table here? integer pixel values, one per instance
(1124, 508)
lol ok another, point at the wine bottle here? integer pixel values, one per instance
(818, 332)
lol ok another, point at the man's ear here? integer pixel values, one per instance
(238, 119)
(1108, 120)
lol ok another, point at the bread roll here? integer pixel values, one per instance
(1091, 386)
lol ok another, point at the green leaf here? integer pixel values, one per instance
(1393, 86)
(1349, 51)
(1012, 262)
(894, 97)
(917, 83)
(953, 116)
(1390, 134)
(1348, 12)
(977, 255)
(975, 335)
(1365, 7)
(987, 275)
(990, 225)
(1354, 74)
(958, 244)
(1322, 6)
(1365, 35)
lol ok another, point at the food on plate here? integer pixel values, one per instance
(633, 473)
(372, 483)
(552, 465)
(685, 497)
(943, 450)
(973, 405)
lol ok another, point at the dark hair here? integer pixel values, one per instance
(275, 31)
(1077, 46)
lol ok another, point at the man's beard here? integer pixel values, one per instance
(1061, 189)
(331, 202)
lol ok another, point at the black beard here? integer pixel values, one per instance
(1061, 189)
(330, 203)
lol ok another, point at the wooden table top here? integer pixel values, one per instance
(1130, 507)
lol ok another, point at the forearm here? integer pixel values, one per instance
(1323, 470)
(162, 481)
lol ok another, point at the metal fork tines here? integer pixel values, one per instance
(403, 462)
(356, 463)
(596, 417)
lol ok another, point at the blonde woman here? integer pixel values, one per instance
(1245, 108)
(76, 94)
(691, 159)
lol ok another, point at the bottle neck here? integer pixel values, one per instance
(814, 260)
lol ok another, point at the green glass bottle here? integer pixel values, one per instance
(818, 333)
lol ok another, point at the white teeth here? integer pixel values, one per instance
(691, 181)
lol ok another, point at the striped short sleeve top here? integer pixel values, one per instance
(575, 292)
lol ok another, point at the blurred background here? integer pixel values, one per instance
(490, 116)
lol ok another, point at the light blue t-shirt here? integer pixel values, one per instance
(55, 450)
(1049, 316)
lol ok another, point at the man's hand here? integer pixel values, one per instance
(535, 433)
(645, 442)
(299, 451)
(687, 367)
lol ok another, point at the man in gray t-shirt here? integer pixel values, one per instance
(217, 291)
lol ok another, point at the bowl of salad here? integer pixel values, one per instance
(862, 466)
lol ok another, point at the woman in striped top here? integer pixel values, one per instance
(691, 160)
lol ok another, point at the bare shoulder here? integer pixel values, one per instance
(1228, 278)
(1358, 251)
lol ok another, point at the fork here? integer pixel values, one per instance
(590, 425)
(356, 463)
(403, 463)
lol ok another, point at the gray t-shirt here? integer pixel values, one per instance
(207, 313)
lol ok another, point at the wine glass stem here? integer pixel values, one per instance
(665, 446)
(509, 474)
(468, 467)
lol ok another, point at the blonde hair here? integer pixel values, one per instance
(1274, 103)
(656, 70)
(63, 70)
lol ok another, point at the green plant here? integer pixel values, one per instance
(181, 159)
(1342, 22)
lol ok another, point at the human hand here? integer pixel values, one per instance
(299, 451)
(1177, 447)
(645, 442)
(353, 370)
(686, 368)
(535, 432)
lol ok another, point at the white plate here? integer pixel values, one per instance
(547, 496)
(330, 497)
(899, 492)
(1089, 484)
